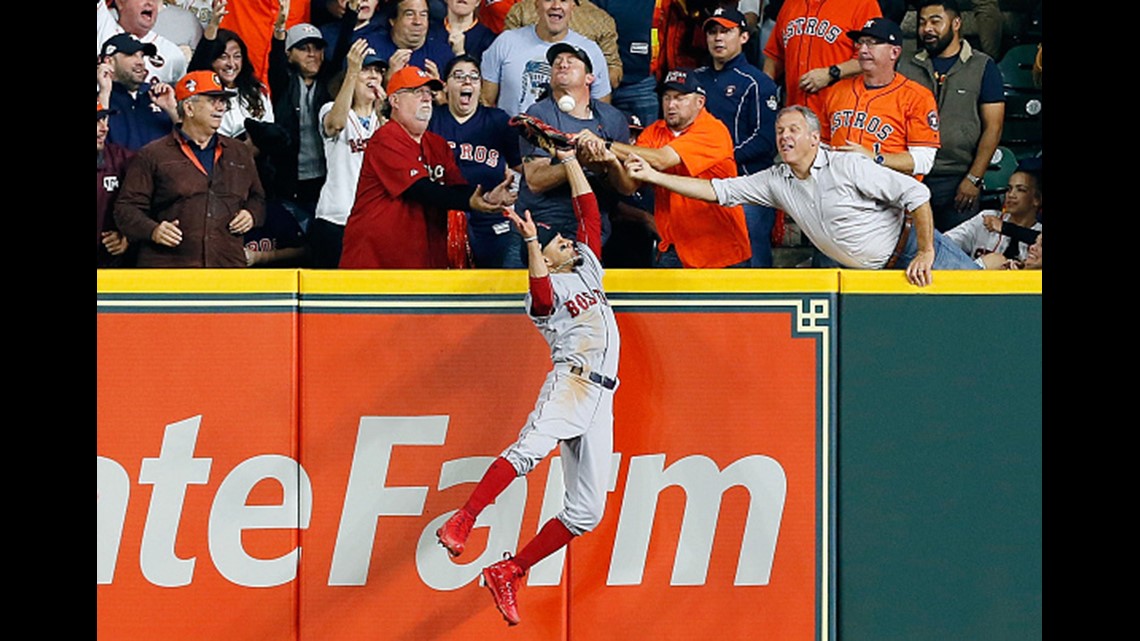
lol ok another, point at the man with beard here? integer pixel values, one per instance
(407, 184)
(485, 148)
(967, 85)
(141, 111)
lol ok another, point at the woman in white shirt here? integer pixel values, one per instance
(347, 123)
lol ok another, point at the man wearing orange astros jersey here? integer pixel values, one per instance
(809, 49)
(882, 114)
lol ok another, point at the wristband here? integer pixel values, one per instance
(530, 239)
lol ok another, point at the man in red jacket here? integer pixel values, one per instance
(407, 184)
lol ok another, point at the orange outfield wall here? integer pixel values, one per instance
(276, 452)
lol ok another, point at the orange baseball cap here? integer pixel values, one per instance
(199, 83)
(412, 78)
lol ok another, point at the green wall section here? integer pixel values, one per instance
(940, 468)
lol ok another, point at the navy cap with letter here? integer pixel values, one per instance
(127, 44)
(682, 80)
(727, 18)
(880, 29)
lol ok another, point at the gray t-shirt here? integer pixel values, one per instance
(516, 61)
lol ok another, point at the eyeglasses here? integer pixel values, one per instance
(418, 91)
(217, 100)
(459, 76)
(867, 42)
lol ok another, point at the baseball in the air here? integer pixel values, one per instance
(566, 103)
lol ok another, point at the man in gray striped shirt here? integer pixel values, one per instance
(858, 213)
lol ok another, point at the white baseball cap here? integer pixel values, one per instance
(302, 32)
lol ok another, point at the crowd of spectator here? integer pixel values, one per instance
(374, 133)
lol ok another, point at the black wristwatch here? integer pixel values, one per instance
(834, 72)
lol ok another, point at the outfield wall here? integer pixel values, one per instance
(795, 452)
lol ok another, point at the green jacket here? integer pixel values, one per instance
(959, 114)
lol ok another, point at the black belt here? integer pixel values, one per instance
(604, 381)
(901, 245)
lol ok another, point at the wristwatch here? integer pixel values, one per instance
(834, 72)
(974, 180)
(879, 159)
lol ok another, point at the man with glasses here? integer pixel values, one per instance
(189, 197)
(809, 49)
(407, 184)
(882, 114)
(486, 148)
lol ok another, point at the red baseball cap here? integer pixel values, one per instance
(411, 77)
(199, 83)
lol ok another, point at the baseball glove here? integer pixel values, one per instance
(540, 134)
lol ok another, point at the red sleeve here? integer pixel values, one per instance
(541, 296)
(589, 221)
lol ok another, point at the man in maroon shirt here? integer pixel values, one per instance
(110, 164)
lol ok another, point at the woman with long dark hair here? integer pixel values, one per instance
(225, 53)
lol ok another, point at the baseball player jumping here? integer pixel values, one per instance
(575, 406)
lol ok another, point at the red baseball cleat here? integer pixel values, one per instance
(502, 579)
(454, 532)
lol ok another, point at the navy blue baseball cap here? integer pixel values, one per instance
(681, 80)
(565, 47)
(373, 59)
(727, 18)
(880, 29)
(127, 44)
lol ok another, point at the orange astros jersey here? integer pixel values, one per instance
(885, 120)
(810, 34)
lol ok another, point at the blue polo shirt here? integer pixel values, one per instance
(435, 48)
(138, 120)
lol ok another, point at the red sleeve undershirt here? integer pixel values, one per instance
(589, 232)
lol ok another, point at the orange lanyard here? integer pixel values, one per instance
(194, 157)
